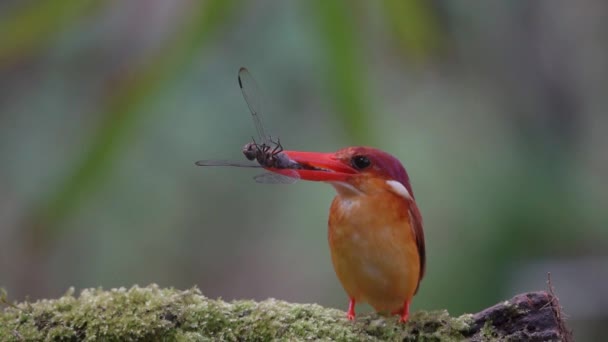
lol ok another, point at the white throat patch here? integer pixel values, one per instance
(399, 189)
(345, 189)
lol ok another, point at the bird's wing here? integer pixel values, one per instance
(416, 224)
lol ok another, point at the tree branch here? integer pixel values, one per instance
(152, 313)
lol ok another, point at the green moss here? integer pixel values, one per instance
(513, 310)
(488, 333)
(152, 313)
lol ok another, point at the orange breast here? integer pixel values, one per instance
(373, 249)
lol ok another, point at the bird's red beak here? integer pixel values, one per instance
(320, 167)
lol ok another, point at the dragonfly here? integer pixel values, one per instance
(265, 151)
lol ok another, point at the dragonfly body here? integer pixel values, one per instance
(266, 152)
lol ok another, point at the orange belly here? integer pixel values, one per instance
(373, 251)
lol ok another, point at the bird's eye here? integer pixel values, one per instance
(361, 162)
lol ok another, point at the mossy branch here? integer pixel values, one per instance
(152, 313)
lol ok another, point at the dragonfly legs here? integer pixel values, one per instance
(278, 148)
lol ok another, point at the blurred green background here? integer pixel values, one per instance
(497, 110)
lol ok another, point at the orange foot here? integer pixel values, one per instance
(350, 315)
(405, 312)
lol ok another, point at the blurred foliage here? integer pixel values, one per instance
(346, 71)
(124, 107)
(415, 26)
(27, 29)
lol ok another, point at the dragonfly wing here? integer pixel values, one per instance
(253, 98)
(274, 178)
(218, 162)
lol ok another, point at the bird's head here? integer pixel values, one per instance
(354, 171)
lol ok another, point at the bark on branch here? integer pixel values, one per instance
(152, 313)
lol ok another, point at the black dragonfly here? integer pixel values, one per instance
(265, 151)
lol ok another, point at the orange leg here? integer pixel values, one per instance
(351, 309)
(405, 312)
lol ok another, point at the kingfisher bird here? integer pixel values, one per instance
(375, 230)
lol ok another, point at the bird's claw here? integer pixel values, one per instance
(404, 315)
(350, 315)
